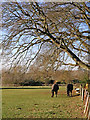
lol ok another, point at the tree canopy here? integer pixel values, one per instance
(60, 30)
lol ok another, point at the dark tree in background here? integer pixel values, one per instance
(56, 30)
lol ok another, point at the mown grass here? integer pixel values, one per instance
(37, 103)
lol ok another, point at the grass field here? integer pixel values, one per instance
(37, 103)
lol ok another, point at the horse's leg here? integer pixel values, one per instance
(52, 93)
(56, 93)
(67, 92)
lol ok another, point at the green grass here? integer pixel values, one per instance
(37, 103)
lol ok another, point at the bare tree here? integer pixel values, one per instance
(63, 26)
(13, 77)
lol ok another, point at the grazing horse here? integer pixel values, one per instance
(69, 89)
(55, 89)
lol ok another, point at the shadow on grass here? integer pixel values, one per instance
(24, 88)
(75, 95)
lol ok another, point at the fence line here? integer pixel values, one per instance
(86, 100)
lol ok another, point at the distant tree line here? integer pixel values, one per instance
(36, 77)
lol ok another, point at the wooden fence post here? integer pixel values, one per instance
(87, 104)
(89, 115)
(85, 96)
(82, 94)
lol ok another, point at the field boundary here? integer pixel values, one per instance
(86, 100)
